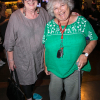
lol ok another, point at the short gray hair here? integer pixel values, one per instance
(50, 4)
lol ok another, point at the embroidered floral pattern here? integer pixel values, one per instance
(80, 26)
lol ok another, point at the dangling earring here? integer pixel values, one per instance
(24, 11)
(37, 10)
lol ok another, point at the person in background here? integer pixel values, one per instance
(44, 5)
(65, 46)
(1, 48)
(23, 43)
(94, 17)
(14, 8)
(86, 11)
(4, 18)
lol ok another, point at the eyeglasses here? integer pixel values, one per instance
(30, 0)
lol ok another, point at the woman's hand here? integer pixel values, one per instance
(82, 60)
(75, 13)
(45, 68)
(12, 65)
(11, 60)
(47, 72)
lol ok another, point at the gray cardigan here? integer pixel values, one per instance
(24, 37)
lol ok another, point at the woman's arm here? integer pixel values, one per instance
(11, 60)
(90, 16)
(89, 48)
(4, 22)
(45, 68)
(10, 40)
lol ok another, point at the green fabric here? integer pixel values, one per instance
(74, 43)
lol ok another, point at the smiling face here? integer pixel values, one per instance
(30, 4)
(61, 11)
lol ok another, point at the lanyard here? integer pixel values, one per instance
(62, 31)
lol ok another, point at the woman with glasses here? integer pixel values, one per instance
(23, 43)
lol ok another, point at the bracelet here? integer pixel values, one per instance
(10, 60)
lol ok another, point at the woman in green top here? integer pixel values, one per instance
(65, 44)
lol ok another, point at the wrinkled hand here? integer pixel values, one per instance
(47, 72)
(12, 65)
(75, 13)
(82, 61)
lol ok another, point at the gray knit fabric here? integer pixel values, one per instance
(24, 37)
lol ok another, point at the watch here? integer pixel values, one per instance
(86, 54)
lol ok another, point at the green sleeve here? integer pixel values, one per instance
(89, 31)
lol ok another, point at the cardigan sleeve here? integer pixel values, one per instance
(10, 35)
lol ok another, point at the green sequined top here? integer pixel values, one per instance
(74, 42)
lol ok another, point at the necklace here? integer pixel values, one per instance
(62, 31)
(60, 51)
(24, 11)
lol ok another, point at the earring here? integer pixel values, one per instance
(37, 10)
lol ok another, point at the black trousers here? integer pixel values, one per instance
(28, 90)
